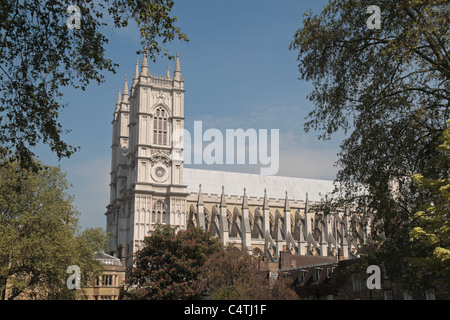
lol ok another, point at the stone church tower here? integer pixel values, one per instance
(262, 214)
(147, 161)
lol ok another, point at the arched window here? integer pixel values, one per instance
(177, 217)
(180, 219)
(159, 212)
(160, 127)
(229, 220)
(258, 254)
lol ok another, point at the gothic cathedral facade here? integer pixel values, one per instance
(149, 185)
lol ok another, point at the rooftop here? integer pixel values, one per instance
(106, 259)
(235, 182)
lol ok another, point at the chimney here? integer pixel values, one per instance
(122, 254)
(285, 259)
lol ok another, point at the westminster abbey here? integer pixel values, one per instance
(260, 213)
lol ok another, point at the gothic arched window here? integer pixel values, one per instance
(159, 212)
(160, 127)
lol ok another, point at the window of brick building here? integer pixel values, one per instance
(356, 282)
(387, 295)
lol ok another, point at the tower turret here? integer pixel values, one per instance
(168, 73)
(118, 101)
(177, 72)
(136, 76)
(125, 91)
(147, 160)
(144, 67)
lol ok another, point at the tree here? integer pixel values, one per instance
(387, 89)
(39, 233)
(233, 274)
(168, 265)
(40, 55)
(433, 220)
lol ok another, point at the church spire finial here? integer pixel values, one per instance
(266, 202)
(144, 67)
(306, 203)
(168, 72)
(200, 198)
(177, 72)
(135, 77)
(119, 98)
(223, 202)
(177, 64)
(245, 201)
(136, 71)
(125, 91)
(286, 203)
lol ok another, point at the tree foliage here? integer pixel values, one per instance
(434, 220)
(387, 89)
(39, 233)
(233, 274)
(168, 264)
(40, 56)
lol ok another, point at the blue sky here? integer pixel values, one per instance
(238, 72)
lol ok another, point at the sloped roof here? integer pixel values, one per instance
(235, 182)
(308, 260)
(106, 259)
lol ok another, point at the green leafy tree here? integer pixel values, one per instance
(387, 90)
(434, 220)
(40, 55)
(236, 275)
(39, 234)
(168, 265)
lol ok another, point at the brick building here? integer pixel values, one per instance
(341, 279)
(107, 286)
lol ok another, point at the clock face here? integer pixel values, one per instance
(160, 172)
